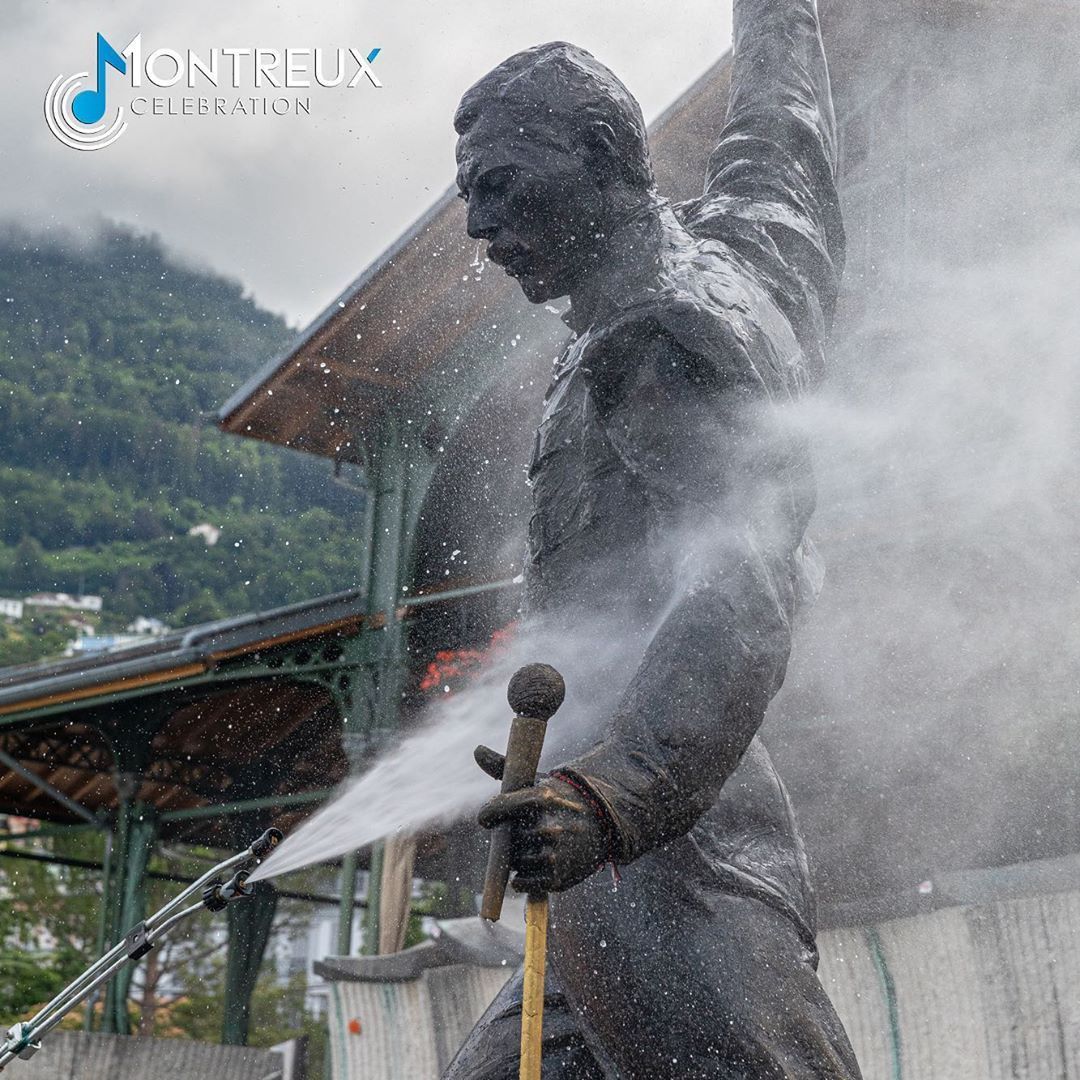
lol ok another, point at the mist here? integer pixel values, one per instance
(929, 717)
(430, 777)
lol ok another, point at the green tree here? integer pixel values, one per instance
(48, 919)
(112, 358)
(29, 569)
(203, 607)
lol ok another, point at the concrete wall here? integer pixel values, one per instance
(75, 1055)
(407, 1030)
(988, 992)
(968, 993)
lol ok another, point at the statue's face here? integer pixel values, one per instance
(538, 207)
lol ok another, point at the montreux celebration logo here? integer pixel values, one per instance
(80, 113)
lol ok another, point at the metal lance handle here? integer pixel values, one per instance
(534, 693)
(24, 1039)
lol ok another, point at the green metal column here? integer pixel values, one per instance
(250, 922)
(388, 474)
(374, 899)
(888, 992)
(388, 555)
(103, 940)
(350, 866)
(136, 835)
(354, 714)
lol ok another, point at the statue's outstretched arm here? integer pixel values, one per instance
(724, 532)
(780, 104)
(770, 189)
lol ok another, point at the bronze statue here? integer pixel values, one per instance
(669, 487)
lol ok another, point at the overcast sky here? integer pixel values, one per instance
(296, 207)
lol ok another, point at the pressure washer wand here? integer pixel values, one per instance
(24, 1038)
(534, 693)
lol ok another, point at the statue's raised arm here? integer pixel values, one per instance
(780, 97)
(773, 171)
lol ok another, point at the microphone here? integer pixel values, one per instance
(535, 692)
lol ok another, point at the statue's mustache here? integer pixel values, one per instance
(502, 254)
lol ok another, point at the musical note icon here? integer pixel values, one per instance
(89, 105)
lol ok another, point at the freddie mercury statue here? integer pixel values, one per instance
(667, 483)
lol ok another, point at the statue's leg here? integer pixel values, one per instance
(491, 1050)
(676, 978)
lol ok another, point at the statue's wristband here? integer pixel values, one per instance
(609, 830)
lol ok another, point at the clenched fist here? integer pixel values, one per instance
(558, 837)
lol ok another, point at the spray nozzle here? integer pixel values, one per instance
(216, 895)
(266, 843)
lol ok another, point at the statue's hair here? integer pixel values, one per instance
(565, 93)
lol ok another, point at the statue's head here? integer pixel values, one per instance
(551, 148)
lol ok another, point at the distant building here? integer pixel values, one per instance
(300, 950)
(11, 609)
(144, 625)
(209, 533)
(19, 825)
(64, 600)
(89, 644)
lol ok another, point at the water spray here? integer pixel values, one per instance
(535, 694)
(24, 1038)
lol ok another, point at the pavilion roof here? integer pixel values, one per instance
(223, 716)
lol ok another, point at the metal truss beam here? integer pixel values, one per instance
(247, 806)
(43, 785)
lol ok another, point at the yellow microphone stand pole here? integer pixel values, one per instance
(532, 994)
(534, 693)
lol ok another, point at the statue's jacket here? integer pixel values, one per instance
(672, 486)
